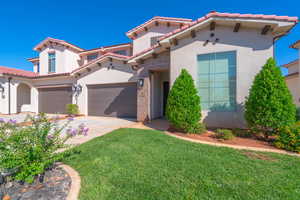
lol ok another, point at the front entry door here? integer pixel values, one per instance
(166, 88)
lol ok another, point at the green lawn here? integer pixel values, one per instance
(145, 164)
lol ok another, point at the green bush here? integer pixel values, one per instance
(183, 106)
(270, 104)
(29, 150)
(72, 109)
(224, 134)
(289, 138)
(298, 114)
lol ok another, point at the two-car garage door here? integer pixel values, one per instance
(54, 100)
(114, 100)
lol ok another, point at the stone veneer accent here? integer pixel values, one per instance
(143, 101)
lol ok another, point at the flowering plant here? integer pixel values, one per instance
(30, 150)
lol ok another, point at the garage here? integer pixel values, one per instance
(113, 100)
(55, 99)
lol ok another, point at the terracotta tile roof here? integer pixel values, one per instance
(291, 63)
(295, 44)
(33, 59)
(49, 39)
(158, 19)
(217, 14)
(232, 15)
(16, 72)
(104, 48)
(107, 55)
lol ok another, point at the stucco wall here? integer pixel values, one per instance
(4, 98)
(102, 75)
(294, 87)
(143, 41)
(66, 60)
(293, 68)
(252, 51)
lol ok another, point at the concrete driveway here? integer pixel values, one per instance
(98, 126)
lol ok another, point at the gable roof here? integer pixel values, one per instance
(206, 19)
(101, 59)
(291, 63)
(16, 72)
(105, 48)
(157, 19)
(295, 45)
(53, 40)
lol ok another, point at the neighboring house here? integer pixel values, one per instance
(292, 78)
(222, 51)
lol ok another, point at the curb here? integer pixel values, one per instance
(75, 185)
(233, 146)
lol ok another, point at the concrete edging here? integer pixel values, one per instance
(234, 146)
(75, 184)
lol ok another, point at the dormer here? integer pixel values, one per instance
(146, 34)
(121, 49)
(56, 56)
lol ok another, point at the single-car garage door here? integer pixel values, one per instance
(54, 100)
(113, 100)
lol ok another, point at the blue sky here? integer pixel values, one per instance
(94, 23)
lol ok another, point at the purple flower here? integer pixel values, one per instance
(85, 130)
(2, 120)
(71, 119)
(72, 131)
(50, 137)
(12, 121)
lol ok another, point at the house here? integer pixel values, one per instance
(292, 78)
(222, 51)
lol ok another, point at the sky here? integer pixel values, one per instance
(95, 23)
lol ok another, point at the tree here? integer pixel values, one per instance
(270, 104)
(183, 106)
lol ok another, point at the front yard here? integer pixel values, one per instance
(146, 164)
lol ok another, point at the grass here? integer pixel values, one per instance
(145, 164)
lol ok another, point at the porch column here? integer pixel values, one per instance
(143, 101)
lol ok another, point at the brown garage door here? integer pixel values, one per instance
(54, 100)
(114, 100)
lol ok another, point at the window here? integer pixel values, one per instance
(121, 52)
(51, 62)
(154, 40)
(38, 67)
(217, 81)
(92, 57)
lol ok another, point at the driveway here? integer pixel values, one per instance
(98, 126)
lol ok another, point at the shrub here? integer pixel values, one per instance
(224, 134)
(72, 109)
(289, 138)
(298, 114)
(28, 151)
(183, 105)
(270, 104)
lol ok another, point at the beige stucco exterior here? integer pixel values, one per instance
(252, 51)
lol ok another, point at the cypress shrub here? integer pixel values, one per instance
(269, 105)
(183, 106)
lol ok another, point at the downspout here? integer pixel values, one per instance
(9, 99)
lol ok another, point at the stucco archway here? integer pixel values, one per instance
(23, 96)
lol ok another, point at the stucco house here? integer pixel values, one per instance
(222, 51)
(292, 78)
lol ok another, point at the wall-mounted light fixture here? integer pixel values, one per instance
(2, 89)
(141, 82)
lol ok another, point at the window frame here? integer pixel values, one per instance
(210, 88)
(51, 62)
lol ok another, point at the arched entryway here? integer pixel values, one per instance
(23, 96)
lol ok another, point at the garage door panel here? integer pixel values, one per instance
(54, 100)
(115, 100)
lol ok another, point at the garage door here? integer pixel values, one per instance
(113, 100)
(54, 100)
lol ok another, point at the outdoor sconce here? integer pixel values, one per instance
(141, 82)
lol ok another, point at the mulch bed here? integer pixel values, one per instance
(209, 136)
(55, 186)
